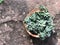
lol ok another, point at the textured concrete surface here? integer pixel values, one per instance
(13, 12)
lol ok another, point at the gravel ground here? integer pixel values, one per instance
(13, 12)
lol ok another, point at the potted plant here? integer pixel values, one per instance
(39, 23)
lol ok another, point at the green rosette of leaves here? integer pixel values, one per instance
(40, 23)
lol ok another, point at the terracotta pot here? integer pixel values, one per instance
(30, 13)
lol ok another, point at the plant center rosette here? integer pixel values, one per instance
(40, 23)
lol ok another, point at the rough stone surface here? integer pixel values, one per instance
(13, 12)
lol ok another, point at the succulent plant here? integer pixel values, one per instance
(41, 23)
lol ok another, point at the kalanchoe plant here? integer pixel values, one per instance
(40, 23)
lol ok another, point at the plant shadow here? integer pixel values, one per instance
(49, 41)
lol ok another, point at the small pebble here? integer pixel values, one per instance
(23, 13)
(5, 25)
(24, 35)
(53, 31)
(3, 17)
